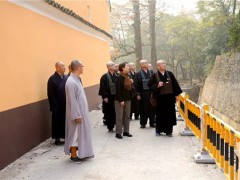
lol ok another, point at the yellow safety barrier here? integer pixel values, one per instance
(218, 138)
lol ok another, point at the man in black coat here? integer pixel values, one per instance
(166, 90)
(57, 101)
(134, 101)
(108, 90)
(143, 95)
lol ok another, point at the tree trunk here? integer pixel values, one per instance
(151, 11)
(234, 6)
(183, 71)
(137, 32)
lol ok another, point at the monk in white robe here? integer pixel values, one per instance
(78, 127)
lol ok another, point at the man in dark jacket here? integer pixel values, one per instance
(57, 101)
(143, 95)
(166, 90)
(108, 90)
(134, 101)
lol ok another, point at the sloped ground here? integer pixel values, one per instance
(144, 156)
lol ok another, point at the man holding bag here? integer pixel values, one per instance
(166, 90)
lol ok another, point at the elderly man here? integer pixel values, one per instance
(150, 67)
(78, 126)
(108, 90)
(166, 89)
(144, 94)
(134, 101)
(116, 69)
(57, 101)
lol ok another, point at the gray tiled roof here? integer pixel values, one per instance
(75, 15)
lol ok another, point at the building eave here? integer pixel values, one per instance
(66, 16)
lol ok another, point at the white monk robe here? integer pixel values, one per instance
(77, 107)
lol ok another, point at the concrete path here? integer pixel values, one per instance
(144, 156)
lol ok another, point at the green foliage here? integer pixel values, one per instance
(188, 42)
(234, 34)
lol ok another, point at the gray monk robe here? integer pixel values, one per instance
(77, 134)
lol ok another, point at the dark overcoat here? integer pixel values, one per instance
(57, 101)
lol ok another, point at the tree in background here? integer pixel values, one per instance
(151, 11)
(188, 42)
(137, 31)
(122, 45)
(234, 33)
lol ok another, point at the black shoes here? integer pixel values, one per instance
(142, 126)
(58, 143)
(110, 130)
(127, 134)
(169, 135)
(76, 160)
(119, 136)
(152, 125)
(105, 122)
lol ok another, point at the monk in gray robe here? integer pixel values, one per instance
(78, 127)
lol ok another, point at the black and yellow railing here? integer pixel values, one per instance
(218, 138)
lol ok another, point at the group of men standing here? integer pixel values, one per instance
(124, 92)
(70, 114)
(146, 83)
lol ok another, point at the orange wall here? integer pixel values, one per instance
(31, 44)
(97, 10)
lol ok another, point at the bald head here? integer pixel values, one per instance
(75, 64)
(160, 62)
(60, 67)
(144, 64)
(131, 66)
(150, 67)
(161, 65)
(111, 66)
(59, 64)
(110, 63)
(143, 61)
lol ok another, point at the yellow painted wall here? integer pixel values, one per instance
(29, 47)
(95, 11)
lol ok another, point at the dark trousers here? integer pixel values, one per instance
(166, 114)
(134, 107)
(146, 109)
(109, 113)
(58, 124)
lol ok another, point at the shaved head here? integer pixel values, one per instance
(59, 64)
(60, 67)
(143, 61)
(131, 66)
(75, 64)
(160, 62)
(161, 65)
(144, 64)
(110, 63)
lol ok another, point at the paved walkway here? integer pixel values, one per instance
(144, 156)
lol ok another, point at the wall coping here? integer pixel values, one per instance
(65, 16)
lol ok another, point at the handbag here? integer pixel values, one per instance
(153, 100)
